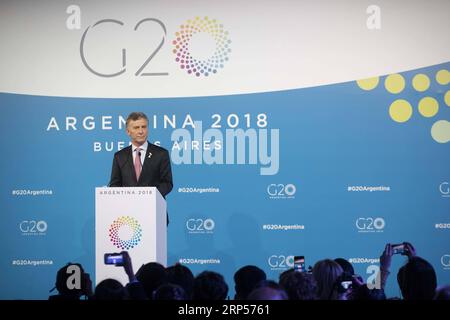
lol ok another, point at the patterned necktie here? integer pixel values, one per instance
(137, 163)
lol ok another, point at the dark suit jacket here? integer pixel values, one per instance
(156, 171)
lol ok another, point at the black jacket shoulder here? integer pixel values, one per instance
(123, 151)
(156, 148)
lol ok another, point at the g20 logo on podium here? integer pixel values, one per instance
(201, 47)
(125, 232)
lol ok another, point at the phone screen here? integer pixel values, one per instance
(299, 263)
(346, 284)
(398, 248)
(112, 258)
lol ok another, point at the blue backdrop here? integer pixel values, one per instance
(345, 179)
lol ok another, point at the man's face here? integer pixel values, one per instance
(138, 131)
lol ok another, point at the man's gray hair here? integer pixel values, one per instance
(136, 116)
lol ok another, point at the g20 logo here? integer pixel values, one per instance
(118, 232)
(33, 226)
(182, 47)
(370, 224)
(200, 225)
(281, 190)
(281, 262)
(444, 189)
(445, 261)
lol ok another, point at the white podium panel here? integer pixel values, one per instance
(129, 219)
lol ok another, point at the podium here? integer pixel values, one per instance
(129, 219)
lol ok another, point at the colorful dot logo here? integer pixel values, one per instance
(125, 222)
(401, 110)
(183, 46)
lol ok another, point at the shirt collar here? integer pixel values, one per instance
(143, 147)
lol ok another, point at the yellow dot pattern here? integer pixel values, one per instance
(369, 83)
(421, 82)
(443, 77)
(394, 83)
(440, 131)
(400, 110)
(428, 107)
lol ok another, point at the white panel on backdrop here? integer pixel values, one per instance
(273, 45)
(132, 219)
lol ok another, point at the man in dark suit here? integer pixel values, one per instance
(141, 164)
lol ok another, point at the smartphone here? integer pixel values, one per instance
(398, 248)
(114, 258)
(346, 284)
(299, 263)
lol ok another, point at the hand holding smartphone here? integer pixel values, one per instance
(398, 248)
(299, 264)
(114, 258)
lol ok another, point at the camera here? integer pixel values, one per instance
(299, 263)
(344, 282)
(342, 285)
(398, 248)
(114, 258)
(346, 285)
